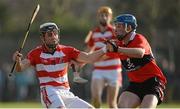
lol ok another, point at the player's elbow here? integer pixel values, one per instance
(140, 56)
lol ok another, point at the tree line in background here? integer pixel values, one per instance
(159, 20)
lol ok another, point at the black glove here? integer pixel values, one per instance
(113, 44)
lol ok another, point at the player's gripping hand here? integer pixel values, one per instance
(111, 46)
(17, 56)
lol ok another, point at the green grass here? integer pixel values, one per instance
(20, 105)
(169, 105)
(38, 105)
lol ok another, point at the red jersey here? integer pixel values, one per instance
(52, 68)
(140, 69)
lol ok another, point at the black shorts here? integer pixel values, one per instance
(150, 86)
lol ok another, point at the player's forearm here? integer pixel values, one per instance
(91, 57)
(22, 65)
(132, 52)
(96, 55)
(18, 66)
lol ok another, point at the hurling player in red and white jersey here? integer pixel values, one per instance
(107, 71)
(147, 82)
(50, 60)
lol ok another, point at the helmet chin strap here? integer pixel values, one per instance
(121, 37)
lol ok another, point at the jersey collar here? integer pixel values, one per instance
(133, 34)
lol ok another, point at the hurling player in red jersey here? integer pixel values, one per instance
(147, 82)
(106, 71)
(50, 60)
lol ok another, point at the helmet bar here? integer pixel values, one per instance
(46, 27)
(126, 19)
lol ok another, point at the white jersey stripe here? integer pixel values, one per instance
(104, 71)
(108, 62)
(99, 44)
(50, 79)
(57, 54)
(102, 35)
(51, 68)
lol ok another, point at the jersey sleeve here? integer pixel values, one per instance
(90, 43)
(73, 53)
(89, 40)
(31, 56)
(141, 42)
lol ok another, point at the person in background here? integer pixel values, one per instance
(2, 83)
(107, 71)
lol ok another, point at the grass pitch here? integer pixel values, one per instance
(38, 105)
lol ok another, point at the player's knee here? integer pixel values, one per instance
(123, 104)
(128, 104)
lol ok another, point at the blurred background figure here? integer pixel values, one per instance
(107, 71)
(2, 83)
(168, 69)
(25, 82)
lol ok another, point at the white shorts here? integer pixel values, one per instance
(52, 97)
(112, 77)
